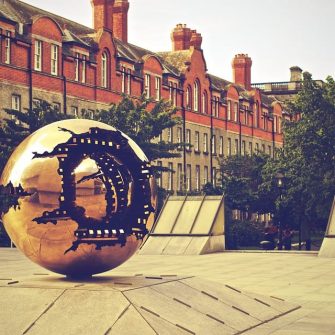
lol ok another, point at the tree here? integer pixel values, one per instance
(241, 178)
(144, 127)
(308, 156)
(15, 129)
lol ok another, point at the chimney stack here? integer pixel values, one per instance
(181, 37)
(112, 15)
(242, 70)
(120, 20)
(102, 14)
(296, 73)
(196, 40)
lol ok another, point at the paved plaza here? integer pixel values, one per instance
(302, 279)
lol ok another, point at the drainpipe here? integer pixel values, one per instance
(64, 87)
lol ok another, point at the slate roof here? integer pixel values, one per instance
(173, 62)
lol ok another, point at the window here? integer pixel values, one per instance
(56, 106)
(188, 139)
(91, 113)
(236, 147)
(275, 123)
(159, 173)
(37, 102)
(263, 148)
(83, 70)
(188, 178)
(7, 47)
(170, 177)
(54, 59)
(221, 146)
(197, 178)
(257, 148)
(76, 78)
(205, 175)
(235, 111)
(196, 96)
(196, 141)
(270, 151)
(243, 148)
(157, 88)
(128, 91)
(214, 176)
(188, 98)
(215, 106)
(250, 148)
(204, 103)
(213, 145)
(38, 55)
(205, 148)
(123, 84)
(16, 102)
(104, 70)
(179, 177)
(170, 135)
(147, 86)
(256, 121)
(229, 110)
(173, 92)
(74, 111)
(229, 147)
(179, 136)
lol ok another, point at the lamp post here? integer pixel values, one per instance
(280, 184)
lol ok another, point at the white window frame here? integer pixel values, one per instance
(204, 103)
(170, 177)
(159, 178)
(214, 176)
(197, 141)
(179, 177)
(196, 96)
(38, 54)
(147, 79)
(170, 135)
(188, 98)
(243, 153)
(104, 70)
(221, 144)
(235, 111)
(83, 70)
(213, 145)
(76, 76)
(205, 175)
(188, 178)
(74, 111)
(229, 110)
(188, 139)
(7, 47)
(229, 146)
(16, 102)
(54, 59)
(236, 144)
(197, 178)
(205, 143)
(158, 84)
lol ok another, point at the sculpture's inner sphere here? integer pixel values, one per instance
(84, 194)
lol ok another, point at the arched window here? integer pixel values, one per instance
(188, 97)
(205, 103)
(196, 95)
(104, 69)
(256, 120)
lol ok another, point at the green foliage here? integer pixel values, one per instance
(19, 125)
(241, 234)
(133, 118)
(308, 156)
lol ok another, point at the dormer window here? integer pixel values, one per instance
(196, 95)
(7, 47)
(147, 85)
(157, 88)
(54, 59)
(38, 56)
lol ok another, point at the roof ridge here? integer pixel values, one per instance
(49, 13)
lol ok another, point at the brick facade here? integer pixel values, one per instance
(44, 56)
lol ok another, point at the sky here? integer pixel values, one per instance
(276, 34)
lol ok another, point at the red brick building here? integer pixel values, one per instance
(45, 56)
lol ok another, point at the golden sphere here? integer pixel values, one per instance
(85, 194)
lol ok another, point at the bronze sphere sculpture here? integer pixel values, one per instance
(85, 197)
